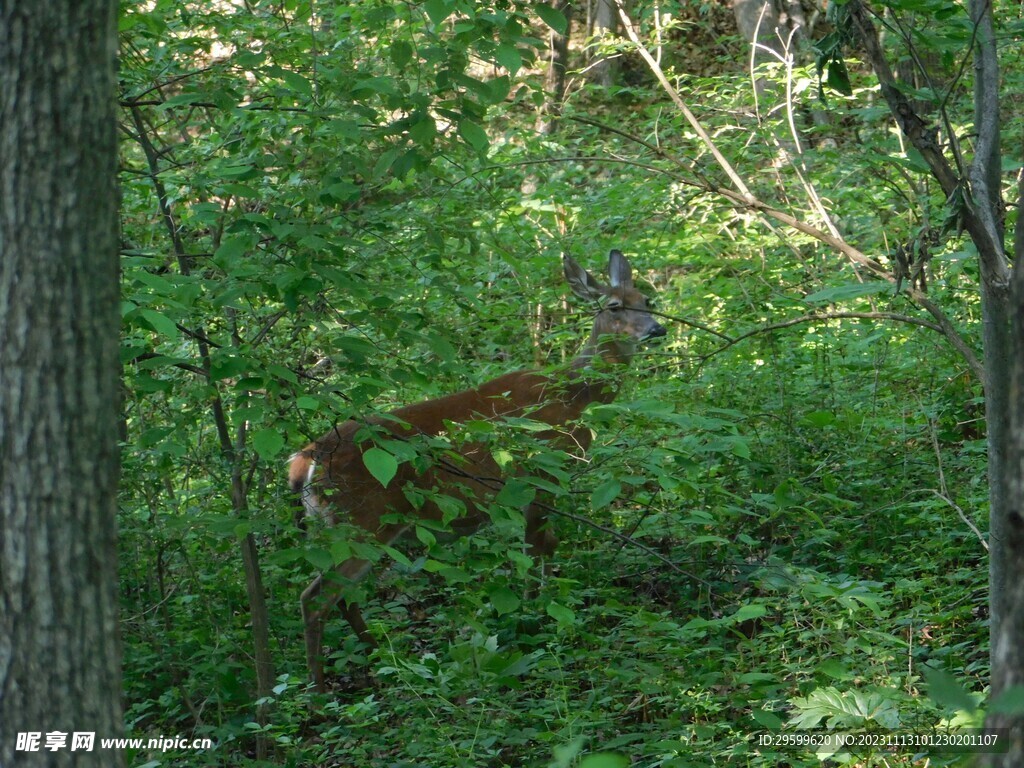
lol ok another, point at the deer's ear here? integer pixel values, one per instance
(620, 273)
(583, 284)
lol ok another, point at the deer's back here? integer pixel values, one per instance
(331, 474)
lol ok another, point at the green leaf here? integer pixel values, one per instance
(498, 89)
(566, 753)
(268, 443)
(160, 323)
(320, 559)
(515, 493)
(280, 372)
(844, 709)
(365, 87)
(241, 190)
(605, 494)
(425, 536)
(740, 447)
(749, 611)
(398, 556)
(401, 53)
(382, 465)
(154, 436)
(307, 403)
(604, 760)
(434, 566)
(839, 77)
(159, 284)
(236, 171)
(561, 614)
(769, 720)
(508, 56)
(298, 83)
(405, 163)
(819, 418)
(552, 18)
(442, 347)
(224, 365)
(231, 249)
(423, 131)
(474, 135)
(834, 669)
(946, 691)
(707, 539)
(341, 550)
(455, 575)
(757, 679)
(504, 600)
(348, 129)
(437, 10)
(787, 494)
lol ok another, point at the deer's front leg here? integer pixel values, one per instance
(317, 602)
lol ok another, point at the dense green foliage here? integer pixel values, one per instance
(329, 210)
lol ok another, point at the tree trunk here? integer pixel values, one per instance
(1006, 376)
(60, 658)
(1008, 635)
(554, 80)
(260, 620)
(606, 22)
(774, 30)
(758, 24)
(1008, 645)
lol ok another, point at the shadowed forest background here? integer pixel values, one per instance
(330, 210)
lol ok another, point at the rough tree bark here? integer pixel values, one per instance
(1008, 646)
(758, 23)
(775, 30)
(605, 23)
(1006, 525)
(60, 659)
(554, 79)
(1008, 649)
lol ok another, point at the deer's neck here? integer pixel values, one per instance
(594, 373)
(607, 352)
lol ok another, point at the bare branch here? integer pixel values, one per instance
(824, 317)
(943, 492)
(705, 137)
(982, 198)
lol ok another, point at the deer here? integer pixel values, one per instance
(333, 483)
